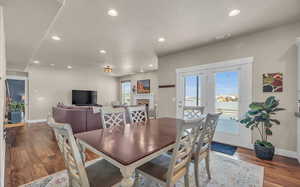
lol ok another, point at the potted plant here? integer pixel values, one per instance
(261, 117)
(16, 110)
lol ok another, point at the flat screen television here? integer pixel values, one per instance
(84, 97)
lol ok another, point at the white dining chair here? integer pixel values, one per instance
(137, 114)
(192, 112)
(50, 122)
(112, 117)
(203, 145)
(100, 173)
(167, 170)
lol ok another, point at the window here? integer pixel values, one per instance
(126, 92)
(192, 90)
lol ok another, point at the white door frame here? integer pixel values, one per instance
(15, 77)
(2, 96)
(245, 74)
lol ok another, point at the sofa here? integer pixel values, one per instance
(81, 118)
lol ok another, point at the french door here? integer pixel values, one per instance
(221, 87)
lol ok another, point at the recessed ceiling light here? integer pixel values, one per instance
(142, 70)
(36, 61)
(112, 12)
(150, 65)
(52, 64)
(102, 51)
(234, 12)
(56, 38)
(161, 39)
(69, 67)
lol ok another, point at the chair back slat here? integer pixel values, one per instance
(181, 157)
(208, 130)
(112, 117)
(71, 152)
(192, 112)
(137, 114)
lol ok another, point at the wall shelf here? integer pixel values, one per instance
(167, 86)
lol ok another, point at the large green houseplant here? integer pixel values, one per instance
(261, 117)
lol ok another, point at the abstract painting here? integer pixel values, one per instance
(143, 86)
(272, 82)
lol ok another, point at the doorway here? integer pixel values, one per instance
(219, 87)
(16, 98)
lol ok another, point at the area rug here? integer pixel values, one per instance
(223, 148)
(226, 172)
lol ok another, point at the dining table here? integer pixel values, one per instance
(132, 145)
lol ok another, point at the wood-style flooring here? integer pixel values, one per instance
(35, 154)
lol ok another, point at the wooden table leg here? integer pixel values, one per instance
(127, 177)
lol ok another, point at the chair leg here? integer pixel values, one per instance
(207, 166)
(186, 180)
(196, 168)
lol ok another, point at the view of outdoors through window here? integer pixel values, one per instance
(226, 97)
(192, 90)
(227, 100)
(125, 92)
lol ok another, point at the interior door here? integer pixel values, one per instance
(224, 88)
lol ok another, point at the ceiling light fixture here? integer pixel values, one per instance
(150, 65)
(234, 12)
(69, 67)
(52, 64)
(56, 38)
(36, 61)
(161, 39)
(112, 12)
(107, 69)
(102, 51)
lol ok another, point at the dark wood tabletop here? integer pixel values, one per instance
(132, 142)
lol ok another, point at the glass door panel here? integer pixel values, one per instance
(227, 101)
(192, 90)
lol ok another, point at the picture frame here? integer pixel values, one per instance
(143, 86)
(272, 82)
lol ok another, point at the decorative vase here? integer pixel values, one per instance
(263, 152)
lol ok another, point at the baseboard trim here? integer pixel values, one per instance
(287, 153)
(36, 121)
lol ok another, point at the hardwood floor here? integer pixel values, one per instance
(35, 155)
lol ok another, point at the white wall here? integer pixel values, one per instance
(2, 96)
(48, 86)
(153, 76)
(274, 50)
